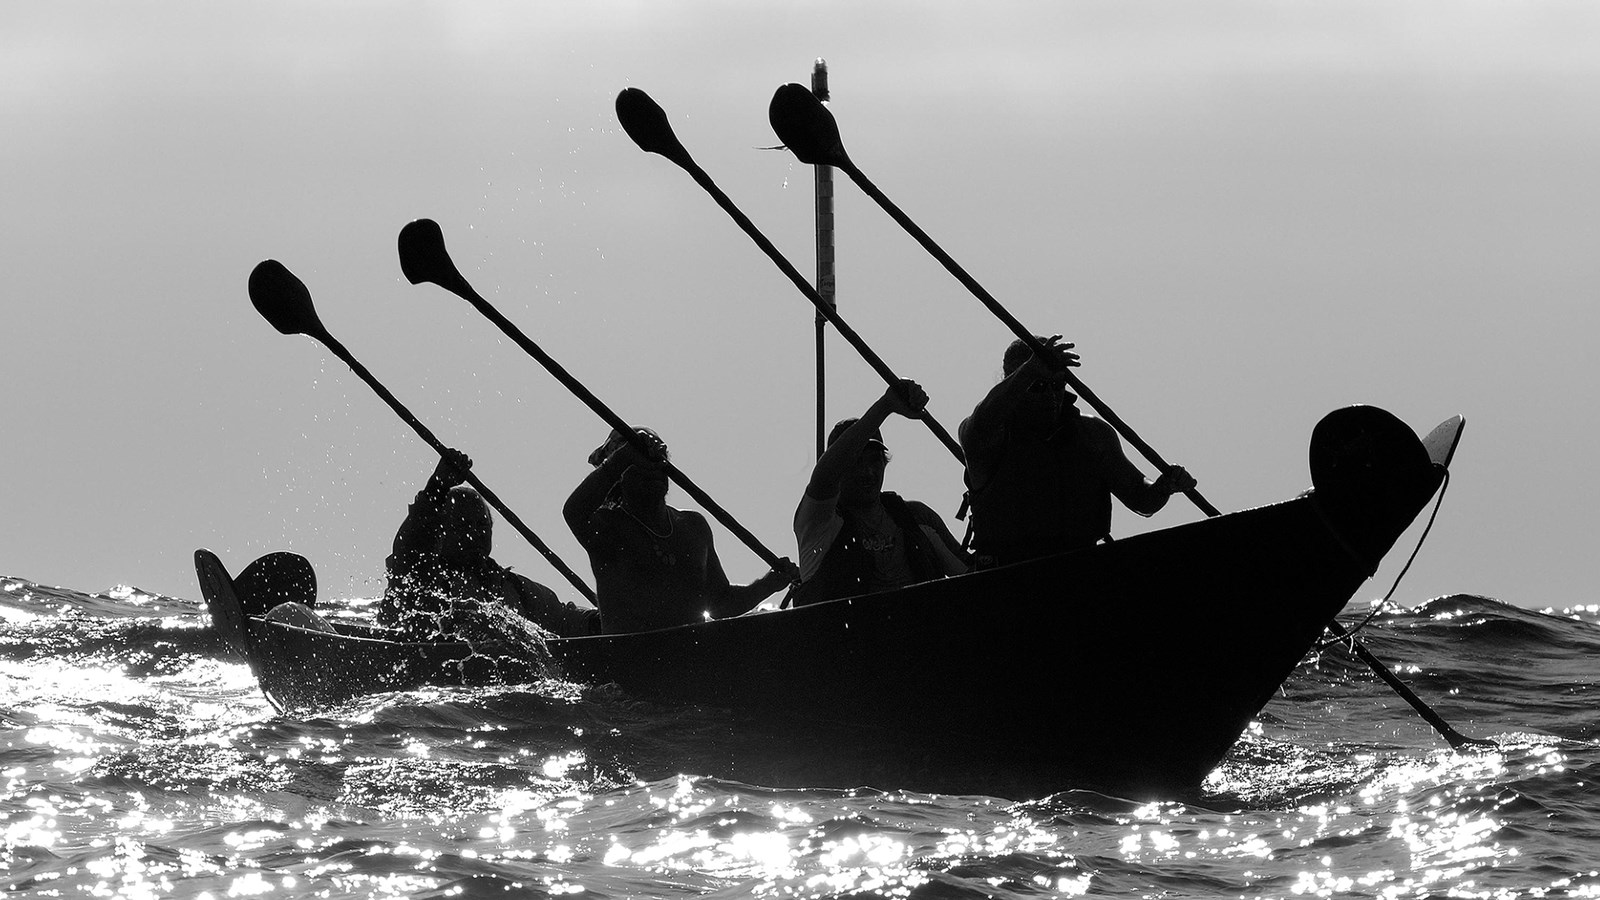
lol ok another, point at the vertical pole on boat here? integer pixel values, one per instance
(825, 279)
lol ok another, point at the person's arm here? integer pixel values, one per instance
(540, 605)
(738, 599)
(1128, 483)
(587, 497)
(421, 525)
(905, 397)
(592, 491)
(989, 417)
(955, 558)
(816, 524)
(725, 600)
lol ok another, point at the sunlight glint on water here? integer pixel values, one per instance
(140, 760)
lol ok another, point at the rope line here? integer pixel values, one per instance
(1379, 606)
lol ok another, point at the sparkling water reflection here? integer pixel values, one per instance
(138, 760)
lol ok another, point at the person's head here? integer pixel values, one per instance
(863, 480)
(1042, 397)
(466, 532)
(1016, 354)
(615, 440)
(642, 486)
(607, 447)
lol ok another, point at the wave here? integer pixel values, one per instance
(1473, 658)
(148, 645)
(1483, 622)
(164, 764)
(24, 596)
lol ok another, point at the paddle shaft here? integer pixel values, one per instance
(338, 349)
(823, 306)
(1016, 327)
(466, 292)
(1455, 738)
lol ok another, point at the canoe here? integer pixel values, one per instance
(1131, 666)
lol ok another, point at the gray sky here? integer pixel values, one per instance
(1246, 214)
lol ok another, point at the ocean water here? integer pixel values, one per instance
(139, 759)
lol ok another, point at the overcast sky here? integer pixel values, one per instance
(1246, 214)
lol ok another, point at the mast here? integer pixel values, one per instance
(825, 279)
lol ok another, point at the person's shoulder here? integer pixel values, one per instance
(409, 561)
(913, 505)
(1103, 441)
(971, 428)
(979, 439)
(1097, 428)
(688, 518)
(601, 521)
(528, 585)
(922, 512)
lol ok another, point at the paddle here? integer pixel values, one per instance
(423, 257)
(647, 124)
(283, 300)
(1456, 739)
(808, 129)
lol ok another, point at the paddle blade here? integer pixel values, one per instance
(282, 299)
(805, 126)
(423, 256)
(646, 122)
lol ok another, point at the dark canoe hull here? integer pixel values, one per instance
(1134, 665)
(1131, 666)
